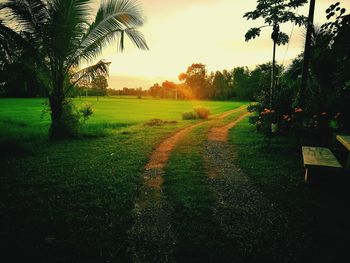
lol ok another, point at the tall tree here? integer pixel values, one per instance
(196, 78)
(100, 85)
(275, 13)
(62, 34)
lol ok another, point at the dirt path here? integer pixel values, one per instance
(221, 133)
(154, 168)
(247, 217)
(152, 238)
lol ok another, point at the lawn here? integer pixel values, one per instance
(72, 200)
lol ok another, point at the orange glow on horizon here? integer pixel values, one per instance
(211, 32)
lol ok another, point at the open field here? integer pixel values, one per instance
(73, 200)
(21, 118)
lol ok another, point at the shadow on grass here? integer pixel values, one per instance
(318, 215)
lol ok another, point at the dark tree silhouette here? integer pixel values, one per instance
(274, 13)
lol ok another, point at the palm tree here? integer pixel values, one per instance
(64, 34)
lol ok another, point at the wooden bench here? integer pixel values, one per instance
(345, 141)
(318, 157)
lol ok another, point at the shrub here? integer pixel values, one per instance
(190, 115)
(72, 119)
(202, 112)
(86, 111)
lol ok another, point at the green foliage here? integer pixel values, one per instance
(99, 86)
(199, 112)
(202, 112)
(274, 13)
(327, 95)
(86, 111)
(189, 115)
(196, 79)
(73, 118)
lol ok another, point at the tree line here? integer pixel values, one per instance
(198, 83)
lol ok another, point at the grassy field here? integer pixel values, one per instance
(72, 200)
(24, 118)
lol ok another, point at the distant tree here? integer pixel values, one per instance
(219, 86)
(139, 93)
(60, 35)
(155, 90)
(168, 89)
(99, 86)
(275, 13)
(196, 78)
(241, 77)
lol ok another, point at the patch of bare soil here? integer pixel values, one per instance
(221, 133)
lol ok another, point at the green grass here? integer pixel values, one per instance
(72, 201)
(21, 118)
(189, 192)
(318, 219)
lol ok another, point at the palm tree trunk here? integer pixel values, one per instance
(58, 128)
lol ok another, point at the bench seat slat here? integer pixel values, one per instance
(319, 156)
(344, 140)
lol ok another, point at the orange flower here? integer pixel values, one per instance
(298, 110)
(324, 113)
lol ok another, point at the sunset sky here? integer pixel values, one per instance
(182, 32)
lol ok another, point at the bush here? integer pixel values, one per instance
(190, 115)
(72, 119)
(202, 112)
(86, 111)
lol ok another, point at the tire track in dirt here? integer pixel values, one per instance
(151, 237)
(221, 133)
(245, 215)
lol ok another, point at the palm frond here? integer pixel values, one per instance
(66, 26)
(114, 19)
(11, 40)
(30, 14)
(91, 72)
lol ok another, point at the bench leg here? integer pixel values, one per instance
(306, 175)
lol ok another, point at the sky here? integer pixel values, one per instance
(182, 32)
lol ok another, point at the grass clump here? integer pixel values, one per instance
(202, 112)
(189, 115)
(197, 113)
(158, 122)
